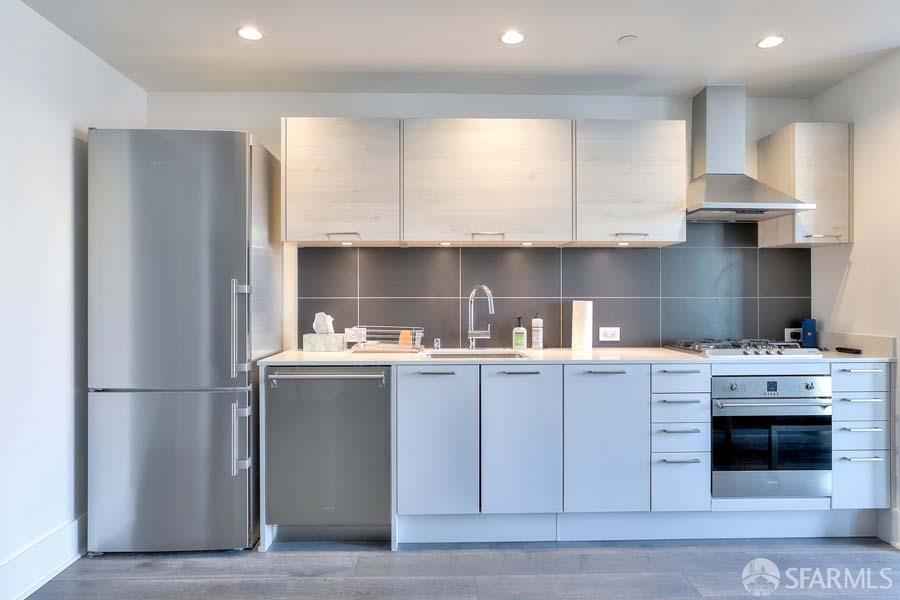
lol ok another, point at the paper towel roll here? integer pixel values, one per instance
(582, 325)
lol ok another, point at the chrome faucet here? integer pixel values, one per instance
(479, 334)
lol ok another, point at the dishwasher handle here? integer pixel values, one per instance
(274, 378)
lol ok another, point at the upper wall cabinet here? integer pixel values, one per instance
(341, 180)
(487, 181)
(631, 178)
(811, 162)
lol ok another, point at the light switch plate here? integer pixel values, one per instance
(609, 334)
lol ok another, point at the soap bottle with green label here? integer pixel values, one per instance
(520, 335)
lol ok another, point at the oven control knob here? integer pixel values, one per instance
(747, 352)
(768, 352)
(733, 387)
(756, 352)
(780, 351)
(810, 386)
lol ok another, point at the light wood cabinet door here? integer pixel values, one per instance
(811, 162)
(487, 180)
(341, 179)
(631, 179)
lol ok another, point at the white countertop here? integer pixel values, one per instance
(549, 355)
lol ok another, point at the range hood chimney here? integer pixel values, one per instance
(720, 190)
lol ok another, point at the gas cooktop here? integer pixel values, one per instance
(749, 348)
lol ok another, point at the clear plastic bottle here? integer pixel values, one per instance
(537, 332)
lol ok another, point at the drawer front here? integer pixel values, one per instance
(680, 378)
(862, 406)
(680, 437)
(437, 440)
(861, 377)
(861, 435)
(680, 481)
(680, 408)
(861, 479)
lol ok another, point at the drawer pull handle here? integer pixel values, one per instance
(819, 236)
(862, 400)
(680, 430)
(862, 429)
(332, 234)
(606, 372)
(681, 371)
(681, 461)
(670, 401)
(862, 371)
(437, 372)
(864, 459)
(520, 372)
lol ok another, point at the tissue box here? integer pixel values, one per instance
(324, 342)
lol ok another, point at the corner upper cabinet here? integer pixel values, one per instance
(341, 180)
(487, 181)
(631, 179)
(811, 162)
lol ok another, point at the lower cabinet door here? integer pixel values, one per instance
(680, 481)
(437, 440)
(521, 439)
(607, 438)
(861, 479)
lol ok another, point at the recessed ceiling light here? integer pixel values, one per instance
(770, 41)
(528, 243)
(445, 243)
(627, 39)
(512, 37)
(248, 32)
(346, 243)
(623, 244)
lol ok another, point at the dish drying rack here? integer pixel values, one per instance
(389, 338)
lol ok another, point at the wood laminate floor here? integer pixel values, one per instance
(663, 570)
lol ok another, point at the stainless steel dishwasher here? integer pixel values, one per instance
(328, 452)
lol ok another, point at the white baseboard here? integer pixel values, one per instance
(27, 570)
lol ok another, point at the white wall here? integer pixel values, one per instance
(53, 90)
(856, 289)
(260, 113)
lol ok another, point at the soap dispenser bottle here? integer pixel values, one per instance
(520, 335)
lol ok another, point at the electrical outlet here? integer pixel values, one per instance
(609, 334)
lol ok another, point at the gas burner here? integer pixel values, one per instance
(749, 348)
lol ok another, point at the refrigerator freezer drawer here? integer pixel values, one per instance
(328, 449)
(168, 471)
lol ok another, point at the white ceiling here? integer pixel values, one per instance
(452, 45)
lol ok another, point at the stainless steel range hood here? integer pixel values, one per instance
(720, 190)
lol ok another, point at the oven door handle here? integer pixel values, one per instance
(767, 404)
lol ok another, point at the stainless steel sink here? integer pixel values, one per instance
(458, 353)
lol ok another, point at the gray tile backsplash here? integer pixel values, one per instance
(716, 284)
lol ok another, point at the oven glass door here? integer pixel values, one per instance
(771, 443)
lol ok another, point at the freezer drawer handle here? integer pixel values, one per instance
(275, 378)
(238, 464)
(236, 367)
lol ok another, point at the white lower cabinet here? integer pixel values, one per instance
(521, 438)
(861, 479)
(680, 481)
(437, 440)
(607, 438)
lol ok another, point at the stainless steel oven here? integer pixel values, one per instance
(771, 436)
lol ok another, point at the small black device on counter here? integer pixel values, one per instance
(848, 350)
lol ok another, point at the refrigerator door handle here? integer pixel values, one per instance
(238, 464)
(236, 367)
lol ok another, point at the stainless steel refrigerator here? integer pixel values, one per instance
(184, 296)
